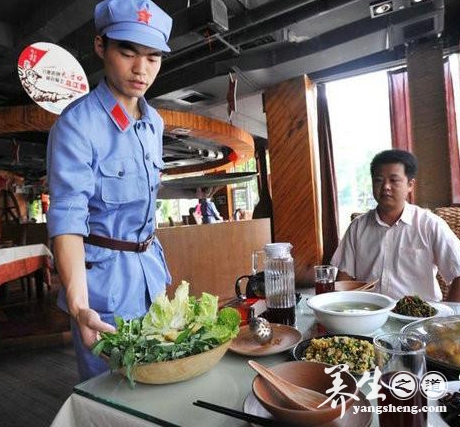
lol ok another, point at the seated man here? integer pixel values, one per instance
(398, 243)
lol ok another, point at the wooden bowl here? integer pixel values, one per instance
(305, 374)
(177, 370)
(351, 285)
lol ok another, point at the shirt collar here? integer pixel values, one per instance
(122, 120)
(406, 216)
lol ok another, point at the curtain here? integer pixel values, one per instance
(401, 129)
(452, 135)
(401, 122)
(329, 200)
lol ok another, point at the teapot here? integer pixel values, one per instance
(255, 286)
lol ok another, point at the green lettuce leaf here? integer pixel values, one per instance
(207, 309)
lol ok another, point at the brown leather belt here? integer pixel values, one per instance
(119, 245)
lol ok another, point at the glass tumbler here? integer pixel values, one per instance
(324, 278)
(401, 360)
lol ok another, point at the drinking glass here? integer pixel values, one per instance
(324, 278)
(401, 360)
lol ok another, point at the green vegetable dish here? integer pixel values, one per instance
(414, 306)
(171, 329)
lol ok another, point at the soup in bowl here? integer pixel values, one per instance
(351, 312)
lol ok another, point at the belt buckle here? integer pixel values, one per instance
(143, 246)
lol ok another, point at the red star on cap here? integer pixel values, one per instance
(143, 16)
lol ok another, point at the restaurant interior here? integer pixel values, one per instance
(242, 95)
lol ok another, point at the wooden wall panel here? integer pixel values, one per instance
(25, 118)
(429, 123)
(211, 256)
(32, 118)
(290, 109)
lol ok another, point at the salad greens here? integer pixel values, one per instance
(170, 330)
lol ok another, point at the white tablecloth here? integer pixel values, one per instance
(79, 411)
(16, 253)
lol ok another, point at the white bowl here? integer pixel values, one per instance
(353, 321)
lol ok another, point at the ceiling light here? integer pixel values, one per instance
(381, 8)
(418, 1)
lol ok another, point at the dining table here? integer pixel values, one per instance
(108, 400)
(27, 261)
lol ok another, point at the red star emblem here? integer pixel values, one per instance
(143, 16)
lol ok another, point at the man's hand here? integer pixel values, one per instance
(90, 325)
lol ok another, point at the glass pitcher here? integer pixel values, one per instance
(279, 283)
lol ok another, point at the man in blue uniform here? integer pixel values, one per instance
(104, 162)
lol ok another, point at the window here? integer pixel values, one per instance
(360, 125)
(454, 61)
(245, 195)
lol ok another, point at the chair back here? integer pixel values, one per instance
(355, 215)
(450, 214)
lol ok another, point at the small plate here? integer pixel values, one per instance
(299, 350)
(434, 418)
(362, 419)
(441, 310)
(284, 338)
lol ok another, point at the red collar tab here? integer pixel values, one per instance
(144, 16)
(120, 117)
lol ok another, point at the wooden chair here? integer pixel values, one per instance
(355, 215)
(450, 214)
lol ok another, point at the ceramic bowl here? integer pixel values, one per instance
(305, 374)
(177, 370)
(351, 321)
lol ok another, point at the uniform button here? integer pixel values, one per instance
(150, 220)
(152, 188)
(121, 173)
(147, 156)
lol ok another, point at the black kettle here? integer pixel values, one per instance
(255, 287)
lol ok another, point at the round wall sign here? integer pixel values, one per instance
(51, 76)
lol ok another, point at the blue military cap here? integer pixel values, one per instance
(137, 21)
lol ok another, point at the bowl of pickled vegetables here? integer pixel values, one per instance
(442, 338)
(411, 308)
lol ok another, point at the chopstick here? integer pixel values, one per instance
(368, 285)
(262, 421)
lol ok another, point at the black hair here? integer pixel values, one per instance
(408, 160)
(105, 41)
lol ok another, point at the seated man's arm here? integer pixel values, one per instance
(454, 291)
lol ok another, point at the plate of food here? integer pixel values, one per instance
(357, 351)
(412, 308)
(284, 338)
(442, 338)
(452, 402)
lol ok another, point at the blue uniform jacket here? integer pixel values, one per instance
(103, 175)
